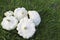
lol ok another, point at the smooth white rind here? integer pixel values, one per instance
(34, 15)
(20, 13)
(9, 23)
(8, 13)
(29, 32)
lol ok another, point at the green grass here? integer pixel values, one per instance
(49, 28)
